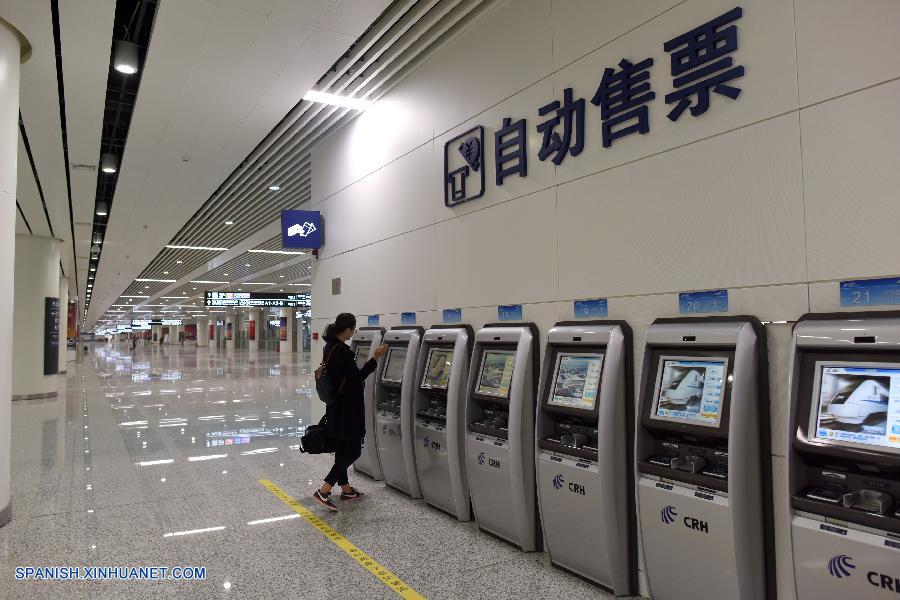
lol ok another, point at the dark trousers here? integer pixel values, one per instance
(345, 455)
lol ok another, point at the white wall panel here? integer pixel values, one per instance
(582, 26)
(386, 277)
(393, 126)
(779, 340)
(844, 46)
(501, 53)
(479, 256)
(768, 87)
(721, 213)
(850, 149)
(540, 174)
(389, 202)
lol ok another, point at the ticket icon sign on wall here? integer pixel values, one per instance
(301, 229)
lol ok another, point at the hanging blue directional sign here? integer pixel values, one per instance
(301, 229)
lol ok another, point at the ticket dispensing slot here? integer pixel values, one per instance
(363, 343)
(703, 460)
(441, 377)
(394, 410)
(585, 443)
(844, 455)
(500, 410)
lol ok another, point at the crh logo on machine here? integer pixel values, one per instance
(427, 441)
(492, 462)
(841, 566)
(433, 445)
(558, 482)
(668, 514)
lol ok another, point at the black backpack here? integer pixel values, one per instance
(324, 384)
(316, 439)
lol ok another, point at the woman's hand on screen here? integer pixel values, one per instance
(380, 351)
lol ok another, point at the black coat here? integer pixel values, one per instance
(347, 416)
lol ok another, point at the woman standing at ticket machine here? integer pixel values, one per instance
(345, 416)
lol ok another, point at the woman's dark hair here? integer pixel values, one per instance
(342, 323)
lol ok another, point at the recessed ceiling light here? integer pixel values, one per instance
(281, 275)
(156, 280)
(335, 100)
(274, 188)
(277, 252)
(177, 262)
(247, 265)
(174, 247)
(229, 222)
(93, 269)
(225, 274)
(193, 288)
(165, 272)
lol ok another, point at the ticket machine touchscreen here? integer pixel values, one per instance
(857, 405)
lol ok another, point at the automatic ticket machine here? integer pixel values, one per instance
(394, 398)
(363, 343)
(440, 425)
(844, 456)
(703, 460)
(585, 437)
(500, 407)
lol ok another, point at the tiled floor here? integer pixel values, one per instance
(176, 440)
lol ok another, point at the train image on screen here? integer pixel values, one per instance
(865, 399)
(685, 388)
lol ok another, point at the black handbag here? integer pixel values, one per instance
(324, 384)
(316, 439)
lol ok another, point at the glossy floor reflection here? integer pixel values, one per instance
(154, 459)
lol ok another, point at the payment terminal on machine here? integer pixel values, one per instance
(703, 460)
(394, 409)
(363, 343)
(844, 456)
(440, 395)
(500, 407)
(585, 442)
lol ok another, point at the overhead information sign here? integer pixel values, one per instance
(256, 299)
(146, 323)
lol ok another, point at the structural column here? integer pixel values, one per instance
(13, 50)
(253, 331)
(212, 333)
(229, 331)
(286, 333)
(202, 333)
(36, 285)
(63, 326)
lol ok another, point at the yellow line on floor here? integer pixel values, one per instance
(368, 563)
